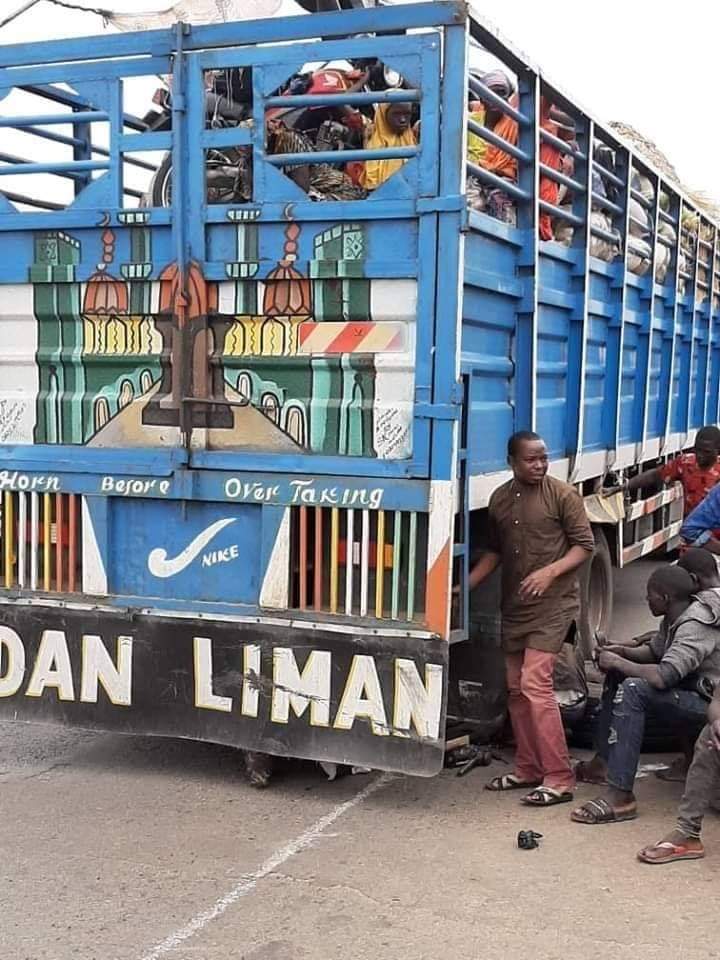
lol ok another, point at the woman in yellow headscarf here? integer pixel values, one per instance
(392, 128)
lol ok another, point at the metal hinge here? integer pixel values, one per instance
(437, 411)
(440, 204)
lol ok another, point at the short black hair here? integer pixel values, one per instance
(709, 433)
(517, 438)
(673, 582)
(699, 562)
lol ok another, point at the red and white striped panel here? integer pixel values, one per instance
(351, 337)
(643, 547)
(641, 508)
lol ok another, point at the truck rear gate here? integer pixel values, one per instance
(245, 444)
(218, 418)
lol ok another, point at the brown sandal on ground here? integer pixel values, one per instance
(582, 776)
(600, 811)
(508, 781)
(665, 851)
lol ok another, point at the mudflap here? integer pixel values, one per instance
(279, 687)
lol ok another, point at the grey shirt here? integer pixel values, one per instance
(691, 645)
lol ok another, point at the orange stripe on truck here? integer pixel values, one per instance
(361, 337)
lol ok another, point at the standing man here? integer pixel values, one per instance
(540, 534)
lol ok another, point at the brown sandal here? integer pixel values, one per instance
(600, 811)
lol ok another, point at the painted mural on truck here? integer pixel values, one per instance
(304, 354)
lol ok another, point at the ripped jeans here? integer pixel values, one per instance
(620, 721)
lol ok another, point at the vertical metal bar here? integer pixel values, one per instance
(711, 403)
(22, 538)
(412, 563)
(34, 536)
(8, 538)
(447, 329)
(526, 320)
(318, 571)
(380, 564)
(704, 384)
(693, 337)
(612, 413)
(349, 535)
(364, 563)
(303, 558)
(676, 210)
(397, 546)
(72, 541)
(579, 322)
(59, 542)
(334, 542)
(651, 308)
(47, 519)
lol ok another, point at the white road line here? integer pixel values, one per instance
(275, 860)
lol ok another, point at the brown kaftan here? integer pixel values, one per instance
(531, 526)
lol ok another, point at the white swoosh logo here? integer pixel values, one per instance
(160, 566)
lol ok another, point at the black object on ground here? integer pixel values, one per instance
(528, 840)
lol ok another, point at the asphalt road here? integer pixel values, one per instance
(117, 848)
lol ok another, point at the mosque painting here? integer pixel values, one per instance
(319, 359)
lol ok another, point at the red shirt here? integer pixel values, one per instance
(696, 481)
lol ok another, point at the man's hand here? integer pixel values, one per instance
(536, 583)
(715, 734)
(608, 660)
(617, 648)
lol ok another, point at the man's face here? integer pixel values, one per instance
(657, 601)
(399, 117)
(494, 114)
(530, 463)
(706, 453)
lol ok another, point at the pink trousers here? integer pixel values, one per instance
(542, 753)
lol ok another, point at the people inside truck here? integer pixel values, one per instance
(481, 196)
(698, 472)
(701, 566)
(560, 125)
(673, 676)
(605, 248)
(702, 787)
(391, 127)
(540, 535)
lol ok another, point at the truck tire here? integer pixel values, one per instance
(596, 595)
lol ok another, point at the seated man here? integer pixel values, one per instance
(673, 674)
(701, 789)
(701, 566)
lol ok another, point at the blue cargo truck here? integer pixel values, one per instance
(249, 431)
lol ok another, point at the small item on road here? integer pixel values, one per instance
(528, 840)
(478, 758)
